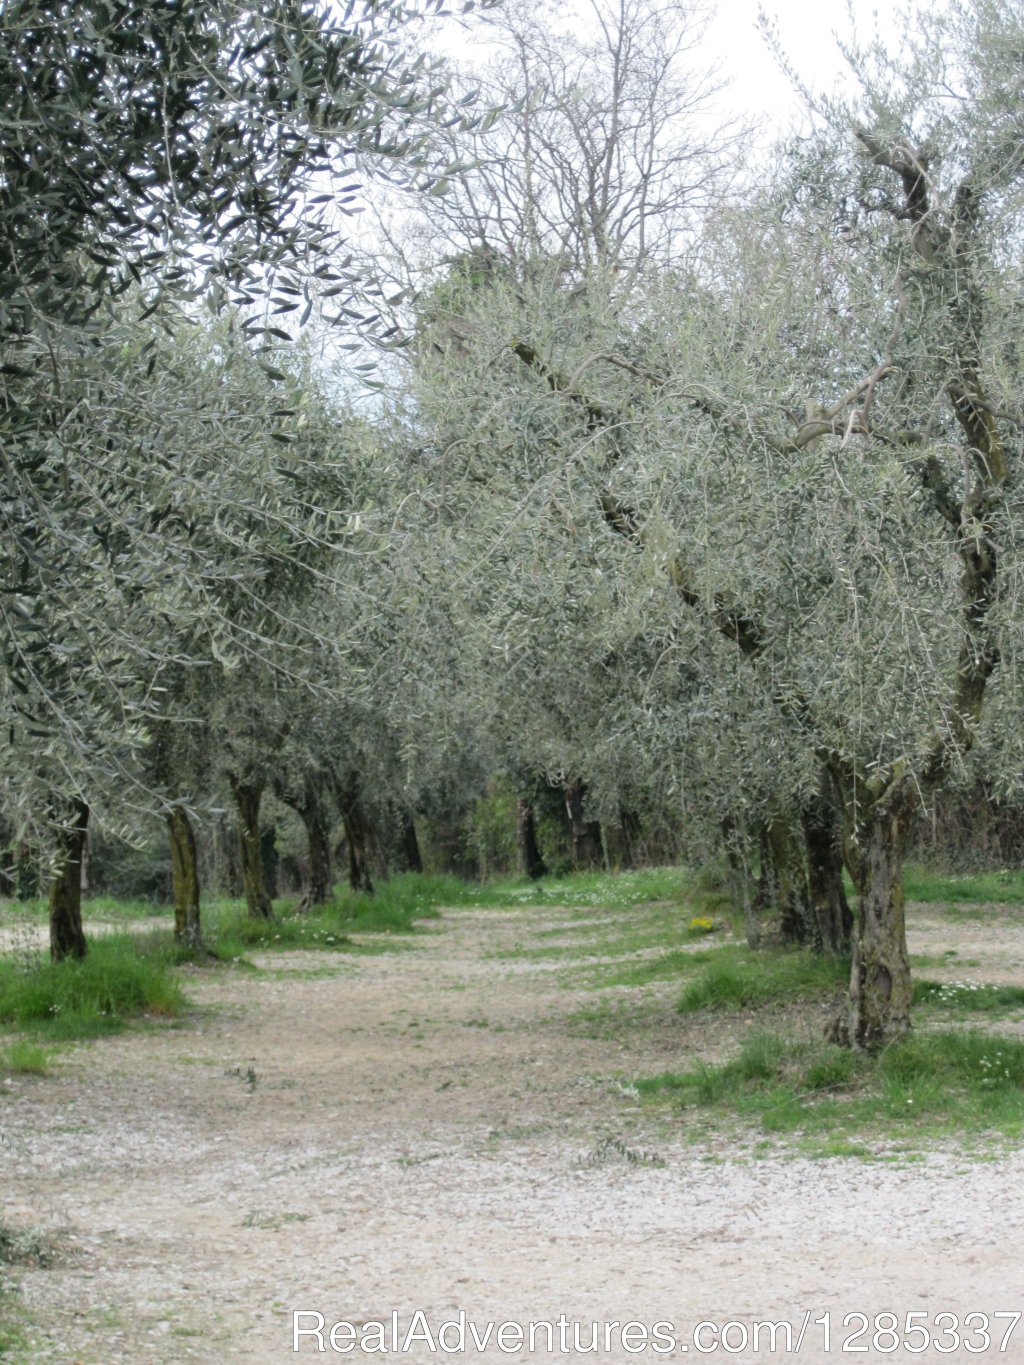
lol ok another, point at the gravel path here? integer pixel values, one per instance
(435, 1128)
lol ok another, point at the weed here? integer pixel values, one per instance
(231, 931)
(120, 978)
(27, 1246)
(737, 978)
(1003, 888)
(248, 1075)
(925, 1086)
(260, 1218)
(972, 996)
(610, 1148)
(22, 1058)
(639, 972)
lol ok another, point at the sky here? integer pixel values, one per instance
(806, 31)
(757, 86)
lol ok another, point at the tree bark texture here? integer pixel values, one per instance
(830, 911)
(307, 800)
(358, 834)
(741, 888)
(184, 878)
(783, 885)
(878, 835)
(67, 937)
(248, 796)
(619, 839)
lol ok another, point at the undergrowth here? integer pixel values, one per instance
(929, 1084)
(1004, 887)
(123, 976)
(973, 997)
(734, 977)
(24, 1058)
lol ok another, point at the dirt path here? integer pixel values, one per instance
(436, 1128)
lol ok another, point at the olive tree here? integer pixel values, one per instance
(809, 426)
(151, 155)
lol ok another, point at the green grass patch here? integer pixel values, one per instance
(396, 905)
(121, 978)
(22, 1058)
(95, 909)
(230, 931)
(972, 996)
(1003, 888)
(736, 977)
(14, 1342)
(26, 1246)
(943, 959)
(663, 967)
(929, 1085)
(593, 890)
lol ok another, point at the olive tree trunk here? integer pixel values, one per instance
(742, 891)
(358, 832)
(184, 878)
(531, 864)
(830, 911)
(878, 833)
(308, 803)
(783, 882)
(248, 796)
(619, 840)
(67, 937)
(585, 834)
(410, 844)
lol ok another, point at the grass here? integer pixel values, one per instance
(593, 890)
(1003, 888)
(24, 1058)
(19, 1247)
(971, 996)
(734, 977)
(664, 967)
(397, 904)
(929, 1085)
(230, 931)
(13, 1322)
(103, 909)
(394, 908)
(122, 978)
(26, 1246)
(602, 891)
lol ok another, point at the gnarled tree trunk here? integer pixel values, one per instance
(783, 885)
(67, 937)
(184, 878)
(741, 889)
(619, 839)
(830, 911)
(877, 837)
(307, 801)
(248, 796)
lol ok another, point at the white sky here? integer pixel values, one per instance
(806, 30)
(757, 85)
